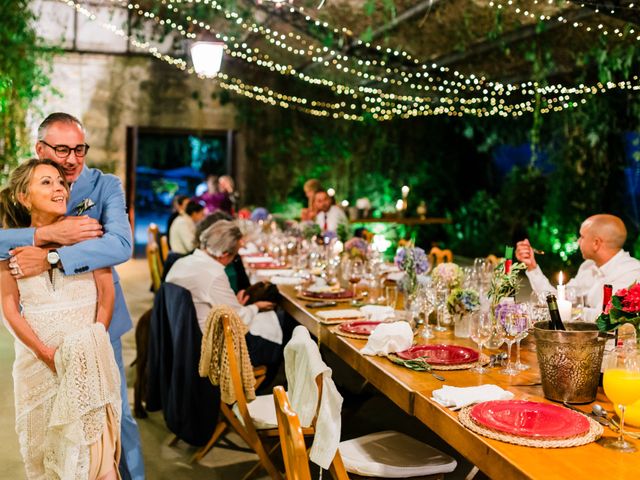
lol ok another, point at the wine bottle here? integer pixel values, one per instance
(556, 321)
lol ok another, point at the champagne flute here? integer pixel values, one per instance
(481, 331)
(441, 296)
(621, 382)
(429, 304)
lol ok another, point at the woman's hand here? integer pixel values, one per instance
(265, 306)
(243, 297)
(47, 355)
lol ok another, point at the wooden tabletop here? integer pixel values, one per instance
(405, 220)
(411, 391)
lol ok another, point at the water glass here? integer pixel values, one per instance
(391, 295)
(512, 327)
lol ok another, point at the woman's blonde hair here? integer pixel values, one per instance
(13, 214)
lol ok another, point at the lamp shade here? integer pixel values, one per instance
(207, 57)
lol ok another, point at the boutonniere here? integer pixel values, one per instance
(83, 206)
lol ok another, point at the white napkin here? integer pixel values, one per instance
(385, 268)
(248, 250)
(344, 313)
(272, 272)
(265, 259)
(377, 312)
(388, 338)
(395, 276)
(458, 397)
(285, 280)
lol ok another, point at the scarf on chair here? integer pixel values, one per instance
(214, 361)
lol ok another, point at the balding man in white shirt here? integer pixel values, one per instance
(601, 239)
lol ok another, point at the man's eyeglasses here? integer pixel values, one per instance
(63, 151)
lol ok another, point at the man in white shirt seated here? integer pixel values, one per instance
(203, 274)
(329, 216)
(601, 240)
(183, 228)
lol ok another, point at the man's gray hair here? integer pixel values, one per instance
(57, 117)
(220, 238)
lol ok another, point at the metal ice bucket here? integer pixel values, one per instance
(569, 361)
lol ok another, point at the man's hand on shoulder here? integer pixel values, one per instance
(69, 231)
(28, 261)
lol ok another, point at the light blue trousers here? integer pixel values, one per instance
(131, 465)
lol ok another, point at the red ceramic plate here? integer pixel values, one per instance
(359, 327)
(328, 295)
(440, 354)
(530, 419)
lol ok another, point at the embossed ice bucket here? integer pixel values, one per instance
(569, 361)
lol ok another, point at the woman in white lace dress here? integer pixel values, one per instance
(66, 382)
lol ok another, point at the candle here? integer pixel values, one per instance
(405, 191)
(508, 253)
(399, 205)
(560, 289)
(564, 307)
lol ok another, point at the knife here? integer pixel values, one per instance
(600, 420)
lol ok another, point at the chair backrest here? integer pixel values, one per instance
(438, 256)
(294, 451)
(164, 248)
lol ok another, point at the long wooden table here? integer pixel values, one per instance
(411, 391)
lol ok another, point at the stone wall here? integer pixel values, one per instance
(112, 92)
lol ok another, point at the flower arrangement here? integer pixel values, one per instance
(413, 262)
(448, 275)
(624, 307)
(505, 284)
(356, 247)
(462, 301)
(83, 206)
(310, 230)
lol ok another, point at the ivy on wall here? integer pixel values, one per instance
(23, 77)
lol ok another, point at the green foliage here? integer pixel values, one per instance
(23, 78)
(505, 284)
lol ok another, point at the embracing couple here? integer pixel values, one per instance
(64, 226)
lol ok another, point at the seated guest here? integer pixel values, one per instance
(178, 205)
(601, 240)
(184, 227)
(220, 194)
(329, 216)
(203, 274)
(311, 187)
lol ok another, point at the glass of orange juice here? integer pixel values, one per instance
(622, 386)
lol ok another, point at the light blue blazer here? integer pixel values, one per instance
(113, 248)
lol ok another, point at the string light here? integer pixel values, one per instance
(384, 110)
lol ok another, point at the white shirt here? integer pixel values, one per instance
(182, 233)
(620, 272)
(209, 285)
(331, 219)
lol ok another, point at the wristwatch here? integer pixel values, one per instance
(53, 258)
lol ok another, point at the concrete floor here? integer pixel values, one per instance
(172, 462)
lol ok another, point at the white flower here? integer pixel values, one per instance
(83, 206)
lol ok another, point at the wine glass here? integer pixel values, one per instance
(355, 272)
(524, 324)
(391, 295)
(481, 331)
(428, 305)
(621, 384)
(510, 324)
(441, 312)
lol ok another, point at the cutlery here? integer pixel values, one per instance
(597, 418)
(438, 377)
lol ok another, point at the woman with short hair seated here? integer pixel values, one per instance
(203, 274)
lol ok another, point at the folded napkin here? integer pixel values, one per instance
(285, 280)
(248, 250)
(458, 397)
(377, 312)
(388, 338)
(340, 314)
(324, 288)
(395, 276)
(265, 259)
(272, 272)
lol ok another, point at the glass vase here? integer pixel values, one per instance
(462, 325)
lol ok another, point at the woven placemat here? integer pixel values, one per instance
(337, 331)
(595, 432)
(483, 359)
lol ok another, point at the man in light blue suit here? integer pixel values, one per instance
(96, 234)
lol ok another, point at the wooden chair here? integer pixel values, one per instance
(242, 423)
(438, 256)
(164, 248)
(294, 450)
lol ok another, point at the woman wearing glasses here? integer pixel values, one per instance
(66, 381)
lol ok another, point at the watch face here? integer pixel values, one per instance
(53, 258)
